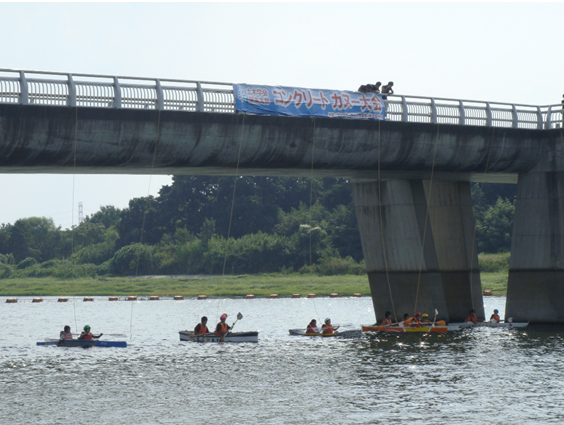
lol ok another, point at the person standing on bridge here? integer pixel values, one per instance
(387, 89)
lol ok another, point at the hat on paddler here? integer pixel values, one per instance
(223, 316)
(86, 327)
(425, 315)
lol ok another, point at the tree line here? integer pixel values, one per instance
(277, 224)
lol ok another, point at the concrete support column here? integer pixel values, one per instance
(535, 291)
(452, 221)
(403, 276)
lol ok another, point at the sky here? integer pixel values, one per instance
(502, 52)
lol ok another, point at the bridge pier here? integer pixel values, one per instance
(395, 224)
(535, 290)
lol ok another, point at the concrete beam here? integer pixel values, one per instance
(40, 139)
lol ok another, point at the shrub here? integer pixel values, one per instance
(28, 262)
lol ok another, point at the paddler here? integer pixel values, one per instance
(425, 320)
(86, 334)
(66, 333)
(415, 321)
(495, 317)
(222, 328)
(386, 321)
(404, 320)
(328, 328)
(312, 327)
(201, 328)
(471, 317)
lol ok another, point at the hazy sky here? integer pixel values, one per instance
(505, 52)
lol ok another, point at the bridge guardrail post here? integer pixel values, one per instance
(160, 96)
(200, 99)
(462, 112)
(117, 93)
(71, 101)
(24, 91)
(404, 112)
(489, 117)
(514, 117)
(548, 122)
(539, 118)
(433, 111)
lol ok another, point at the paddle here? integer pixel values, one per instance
(434, 319)
(239, 316)
(114, 335)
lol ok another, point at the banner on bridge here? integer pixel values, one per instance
(294, 101)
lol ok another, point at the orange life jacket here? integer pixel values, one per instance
(68, 335)
(328, 329)
(201, 329)
(415, 322)
(470, 318)
(496, 317)
(223, 328)
(85, 335)
(386, 322)
(310, 329)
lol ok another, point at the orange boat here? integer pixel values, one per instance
(401, 329)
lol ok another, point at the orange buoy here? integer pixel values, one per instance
(295, 295)
(334, 295)
(273, 296)
(132, 298)
(37, 300)
(62, 300)
(178, 297)
(88, 299)
(311, 295)
(202, 297)
(11, 300)
(154, 298)
(250, 296)
(356, 294)
(487, 292)
(112, 298)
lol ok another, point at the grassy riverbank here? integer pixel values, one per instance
(215, 286)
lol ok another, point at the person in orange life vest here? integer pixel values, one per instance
(387, 321)
(86, 334)
(222, 328)
(495, 317)
(312, 327)
(471, 317)
(425, 320)
(328, 328)
(415, 321)
(66, 333)
(404, 320)
(201, 328)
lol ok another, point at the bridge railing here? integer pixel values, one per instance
(60, 89)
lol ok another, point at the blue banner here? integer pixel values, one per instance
(269, 100)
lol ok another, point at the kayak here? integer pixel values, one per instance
(507, 325)
(351, 333)
(401, 329)
(83, 343)
(230, 337)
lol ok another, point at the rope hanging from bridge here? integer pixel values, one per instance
(72, 210)
(145, 212)
(232, 203)
(429, 192)
(474, 233)
(382, 226)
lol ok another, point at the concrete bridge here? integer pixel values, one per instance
(410, 175)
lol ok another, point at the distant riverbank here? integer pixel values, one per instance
(261, 285)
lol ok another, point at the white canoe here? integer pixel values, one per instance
(231, 337)
(350, 333)
(491, 325)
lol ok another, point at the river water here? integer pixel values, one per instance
(495, 376)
